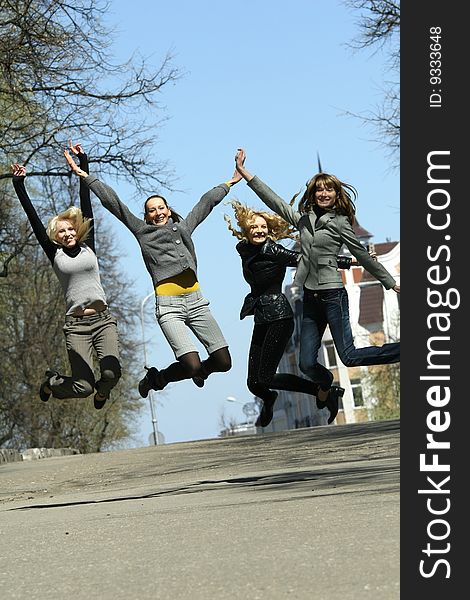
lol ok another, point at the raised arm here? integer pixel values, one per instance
(108, 197)
(264, 192)
(364, 258)
(85, 201)
(19, 176)
(205, 205)
(209, 201)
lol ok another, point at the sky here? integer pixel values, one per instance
(277, 79)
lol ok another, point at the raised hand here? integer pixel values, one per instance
(236, 177)
(76, 148)
(240, 157)
(18, 170)
(73, 165)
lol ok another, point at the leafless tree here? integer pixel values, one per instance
(31, 341)
(58, 81)
(378, 24)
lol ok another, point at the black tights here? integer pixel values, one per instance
(190, 365)
(267, 347)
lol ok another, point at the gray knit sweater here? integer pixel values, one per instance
(80, 280)
(167, 249)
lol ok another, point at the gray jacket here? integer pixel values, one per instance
(320, 243)
(168, 249)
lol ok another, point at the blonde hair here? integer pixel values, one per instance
(278, 229)
(82, 225)
(346, 195)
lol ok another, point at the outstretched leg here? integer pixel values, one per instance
(313, 327)
(267, 347)
(337, 310)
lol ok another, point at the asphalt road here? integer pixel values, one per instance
(305, 514)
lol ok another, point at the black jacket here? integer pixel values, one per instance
(264, 268)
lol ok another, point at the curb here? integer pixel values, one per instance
(7, 455)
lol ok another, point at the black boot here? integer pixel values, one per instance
(332, 402)
(153, 380)
(99, 401)
(46, 383)
(199, 380)
(266, 414)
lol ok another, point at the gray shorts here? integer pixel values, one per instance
(177, 314)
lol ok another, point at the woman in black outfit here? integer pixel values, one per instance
(264, 264)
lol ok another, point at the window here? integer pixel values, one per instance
(330, 354)
(357, 393)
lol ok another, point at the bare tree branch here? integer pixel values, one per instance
(58, 81)
(379, 26)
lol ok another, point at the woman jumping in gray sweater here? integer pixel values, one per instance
(168, 252)
(89, 327)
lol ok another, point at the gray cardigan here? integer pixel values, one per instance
(320, 243)
(167, 249)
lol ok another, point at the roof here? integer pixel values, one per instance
(384, 247)
(360, 231)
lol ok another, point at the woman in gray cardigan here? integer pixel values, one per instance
(324, 220)
(168, 252)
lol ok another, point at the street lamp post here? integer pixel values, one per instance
(249, 408)
(150, 396)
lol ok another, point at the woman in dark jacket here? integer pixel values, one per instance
(264, 264)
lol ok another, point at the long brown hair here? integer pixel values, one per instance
(346, 195)
(174, 215)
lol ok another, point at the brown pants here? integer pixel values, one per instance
(84, 337)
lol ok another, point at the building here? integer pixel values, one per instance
(238, 429)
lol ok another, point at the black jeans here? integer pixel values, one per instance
(267, 347)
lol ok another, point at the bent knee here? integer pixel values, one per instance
(347, 359)
(189, 368)
(83, 388)
(224, 360)
(257, 388)
(225, 365)
(111, 375)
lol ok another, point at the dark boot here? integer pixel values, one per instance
(266, 414)
(153, 380)
(332, 402)
(99, 401)
(46, 383)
